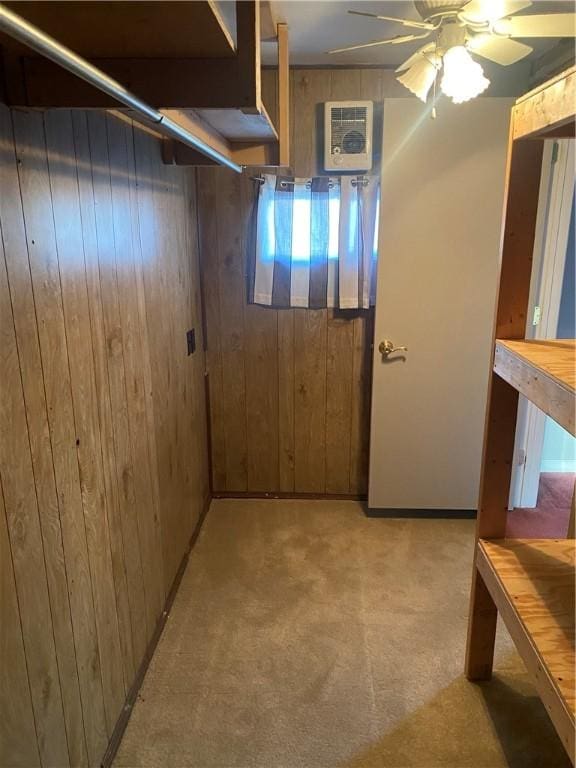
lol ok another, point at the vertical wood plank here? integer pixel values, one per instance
(339, 371)
(198, 463)
(270, 94)
(146, 361)
(361, 401)
(175, 261)
(169, 275)
(262, 398)
(18, 746)
(147, 555)
(70, 254)
(519, 221)
(11, 221)
(162, 291)
(261, 331)
(96, 199)
(232, 342)
(208, 210)
(283, 104)
(286, 397)
(17, 478)
(310, 401)
(310, 88)
(154, 299)
(122, 573)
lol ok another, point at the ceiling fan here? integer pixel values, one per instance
(459, 28)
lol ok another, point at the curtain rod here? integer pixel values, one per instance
(363, 180)
(20, 29)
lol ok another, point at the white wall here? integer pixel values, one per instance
(559, 450)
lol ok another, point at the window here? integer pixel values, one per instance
(315, 242)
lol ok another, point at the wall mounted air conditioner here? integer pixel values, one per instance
(348, 135)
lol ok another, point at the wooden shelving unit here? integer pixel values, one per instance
(542, 371)
(178, 56)
(529, 582)
(532, 584)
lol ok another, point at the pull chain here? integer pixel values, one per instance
(433, 114)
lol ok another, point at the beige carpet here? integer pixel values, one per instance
(306, 635)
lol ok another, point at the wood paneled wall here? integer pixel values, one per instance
(289, 389)
(103, 460)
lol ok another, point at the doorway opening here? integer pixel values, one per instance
(543, 479)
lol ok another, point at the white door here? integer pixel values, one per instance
(440, 225)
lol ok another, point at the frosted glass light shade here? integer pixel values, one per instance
(420, 76)
(463, 78)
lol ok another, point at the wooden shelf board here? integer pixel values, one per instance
(236, 125)
(542, 371)
(532, 584)
(109, 29)
(255, 151)
(548, 110)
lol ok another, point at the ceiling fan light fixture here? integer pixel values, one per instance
(421, 75)
(463, 78)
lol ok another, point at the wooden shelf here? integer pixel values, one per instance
(238, 126)
(178, 57)
(109, 29)
(548, 110)
(235, 143)
(542, 371)
(532, 584)
(529, 582)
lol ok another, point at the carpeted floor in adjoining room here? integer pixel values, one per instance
(549, 518)
(306, 635)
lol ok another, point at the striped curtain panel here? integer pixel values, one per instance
(313, 242)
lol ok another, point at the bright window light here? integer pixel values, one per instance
(377, 221)
(333, 221)
(301, 213)
(301, 231)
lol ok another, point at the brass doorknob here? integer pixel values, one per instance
(387, 347)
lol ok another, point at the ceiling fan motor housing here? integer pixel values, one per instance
(429, 9)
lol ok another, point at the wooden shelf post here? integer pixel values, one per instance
(544, 373)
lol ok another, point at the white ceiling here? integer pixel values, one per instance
(318, 25)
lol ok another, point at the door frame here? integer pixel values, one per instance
(549, 259)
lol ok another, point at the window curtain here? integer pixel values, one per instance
(312, 242)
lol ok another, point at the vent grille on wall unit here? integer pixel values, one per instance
(348, 129)
(348, 135)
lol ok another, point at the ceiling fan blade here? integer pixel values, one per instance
(502, 50)
(544, 25)
(428, 48)
(387, 41)
(404, 22)
(479, 11)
